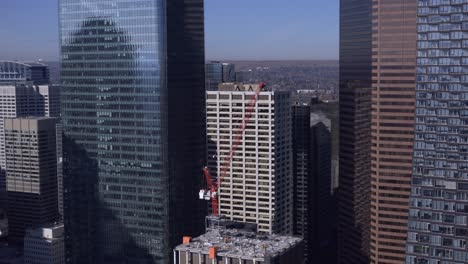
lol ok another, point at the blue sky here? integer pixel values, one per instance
(235, 29)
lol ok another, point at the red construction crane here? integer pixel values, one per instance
(212, 192)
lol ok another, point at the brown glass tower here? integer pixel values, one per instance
(355, 122)
(393, 102)
(377, 51)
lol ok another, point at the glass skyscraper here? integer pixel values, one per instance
(438, 227)
(355, 131)
(133, 121)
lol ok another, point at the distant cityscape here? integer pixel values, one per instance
(320, 77)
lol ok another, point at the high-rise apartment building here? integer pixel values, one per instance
(31, 180)
(17, 72)
(354, 131)
(258, 185)
(438, 215)
(45, 245)
(219, 72)
(393, 100)
(133, 119)
(313, 204)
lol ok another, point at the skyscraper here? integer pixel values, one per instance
(25, 99)
(258, 184)
(229, 72)
(31, 164)
(393, 91)
(218, 72)
(313, 204)
(213, 75)
(354, 130)
(438, 225)
(133, 111)
(21, 99)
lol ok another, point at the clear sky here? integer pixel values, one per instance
(235, 29)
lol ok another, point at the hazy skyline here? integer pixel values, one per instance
(235, 30)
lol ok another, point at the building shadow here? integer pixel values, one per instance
(81, 209)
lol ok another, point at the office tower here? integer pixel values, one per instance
(31, 165)
(240, 76)
(229, 72)
(354, 131)
(133, 114)
(219, 72)
(236, 243)
(439, 188)
(324, 242)
(213, 75)
(26, 99)
(15, 71)
(19, 100)
(393, 91)
(45, 245)
(313, 204)
(258, 186)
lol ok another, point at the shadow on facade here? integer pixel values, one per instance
(94, 232)
(81, 206)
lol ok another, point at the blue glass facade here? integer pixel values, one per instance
(438, 227)
(214, 75)
(133, 108)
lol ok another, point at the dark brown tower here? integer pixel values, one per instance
(355, 122)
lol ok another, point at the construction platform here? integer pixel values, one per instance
(236, 243)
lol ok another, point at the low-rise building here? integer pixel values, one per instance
(238, 243)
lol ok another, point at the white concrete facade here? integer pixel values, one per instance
(258, 185)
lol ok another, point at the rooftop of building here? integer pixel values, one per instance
(238, 87)
(32, 118)
(244, 88)
(49, 232)
(238, 243)
(25, 63)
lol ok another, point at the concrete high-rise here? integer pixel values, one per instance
(258, 185)
(354, 131)
(134, 125)
(22, 99)
(438, 215)
(313, 204)
(393, 100)
(26, 99)
(31, 164)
